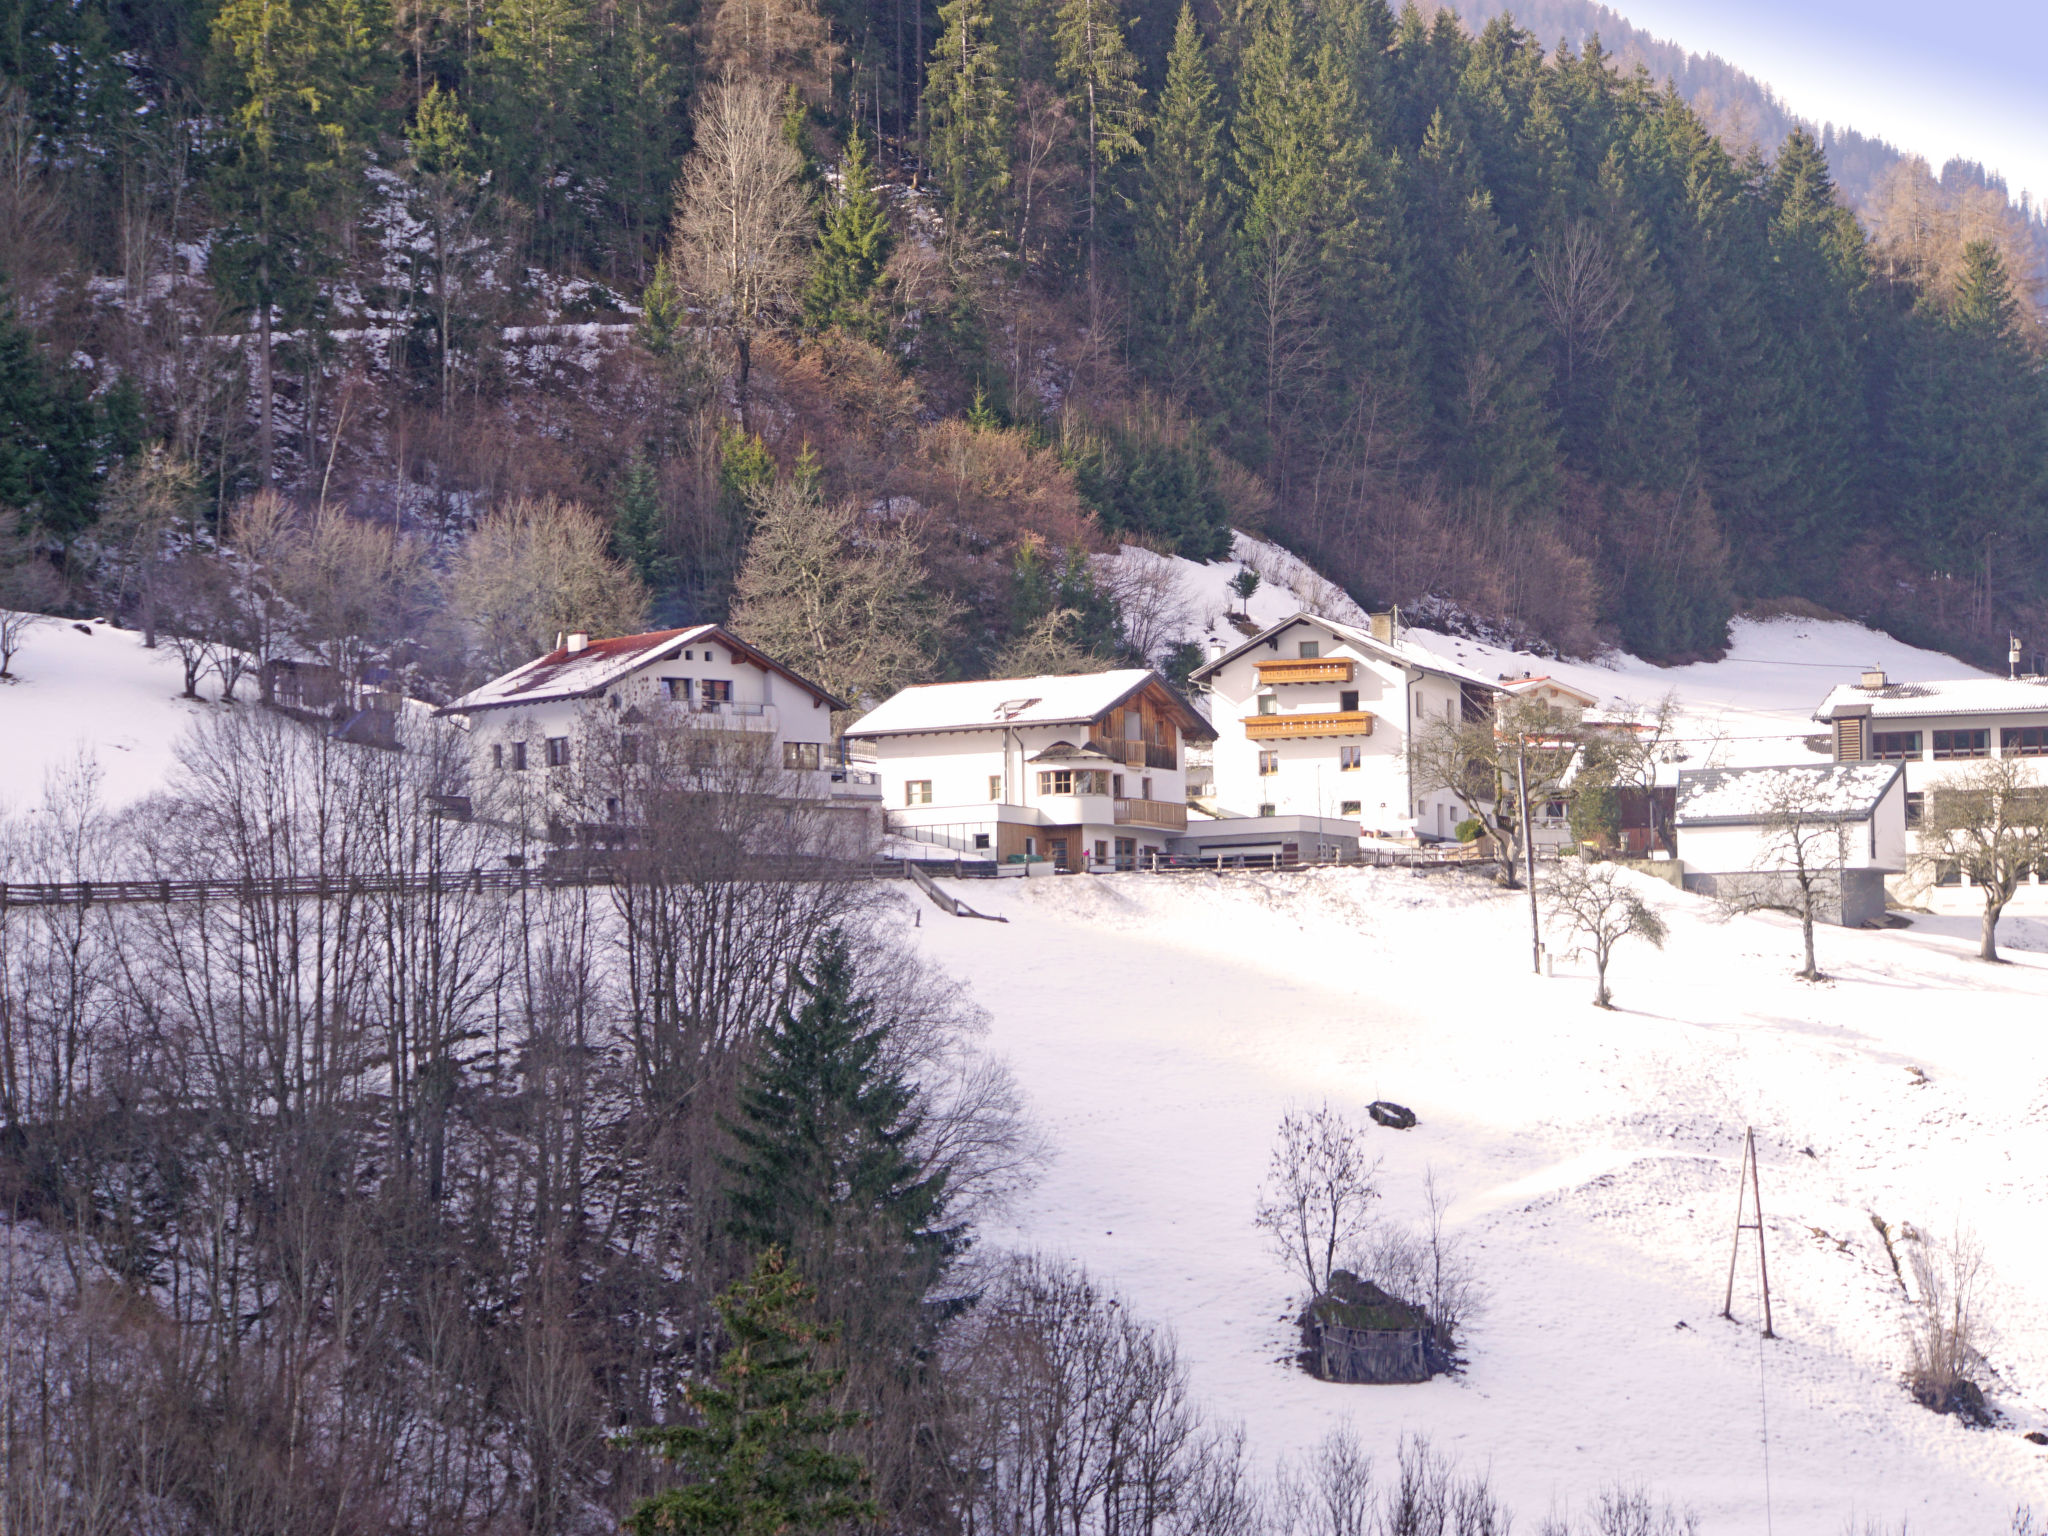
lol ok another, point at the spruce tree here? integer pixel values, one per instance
(1178, 278)
(756, 1462)
(637, 525)
(827, 1164)
(1100, 78)
(971, 97)
(846, 286)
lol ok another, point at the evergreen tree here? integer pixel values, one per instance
(1182, 225)
(971, 96)
(56, 442)
(757, 1461)
(847, 273)
(637, 532)
(301, 82)
(538, 72)
(827, 1164)
(1100, 78)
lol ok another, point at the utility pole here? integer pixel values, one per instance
(1747, 1192)
(1529, 853)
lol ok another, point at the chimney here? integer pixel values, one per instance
(578, 641)
(1216, 648)
(1386, 627)
(1873, 677)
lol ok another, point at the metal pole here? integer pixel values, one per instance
(1763, 1267)
(1529, 854)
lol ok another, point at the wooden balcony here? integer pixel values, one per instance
(1336, 722)
(1327, 669)
(1166, 814)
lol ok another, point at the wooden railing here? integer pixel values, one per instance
(1353, 722)
(1166, 814)
(1326, 669)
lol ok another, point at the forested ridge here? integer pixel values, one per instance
(1462, 317)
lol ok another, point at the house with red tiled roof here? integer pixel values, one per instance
(545, 724)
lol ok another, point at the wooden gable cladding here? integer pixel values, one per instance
(1849, 739)
(1143, 732)
(1325, 669)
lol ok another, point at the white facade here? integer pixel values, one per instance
(531, 730)
(1938, 730)
(1315, 718)
(1081, 772)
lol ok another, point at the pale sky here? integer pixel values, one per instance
(1936, 80)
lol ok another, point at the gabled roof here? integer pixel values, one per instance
(1003, 702)
(1401, 652)
(1959, 696)
(1522, 685)
(1736, 797)
(566, 674)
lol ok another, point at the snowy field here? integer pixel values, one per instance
(1161, 1024)
(96, 695)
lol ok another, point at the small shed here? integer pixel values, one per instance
(1732, 825)
(1355, 1332)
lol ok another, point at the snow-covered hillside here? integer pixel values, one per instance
(92, 692)
(1161, 1025)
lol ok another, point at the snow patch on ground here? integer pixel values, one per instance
(1594, 1157)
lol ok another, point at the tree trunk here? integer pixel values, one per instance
(1812, 971)
(1988, 949)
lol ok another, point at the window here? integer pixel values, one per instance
(1916, 807)
(1950, 744)
(677, 688)
(1116, 785)
(1349, 758)
(2024, 741)
(1073, 781)
(1948, 874)
(1350, 808)
(717, 690)
(1268, 705)
(1102, 849)
(1896, 746)
(518, 755)
(1030, 847)
(1348, 701)
(917, 792)
(629, 751)
(995, 786)
(1265, 810)
(981, 839)
(1145, 789)
(558, 751)
(1311, 649)
(801, 754)
(498, 755)
(611, 807)
(1269, 762)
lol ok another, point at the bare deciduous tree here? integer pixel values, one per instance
(1947, 1333)
(1599, 909)
(1485, 762)
(1584, 293)
(1990, 822)
(1803, 851)
(1320, 1189)
(737, 249)
(535, 570)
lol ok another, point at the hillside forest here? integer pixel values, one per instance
(537, 314)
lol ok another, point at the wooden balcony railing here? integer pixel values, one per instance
(1327, 669)
(1354, 722)
(1152, 813)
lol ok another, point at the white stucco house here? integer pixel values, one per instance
(1084, 771)
(1732, 833)
(1936, 730)
(530, 730)
(1314, 718)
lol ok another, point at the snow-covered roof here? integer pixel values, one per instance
(1002, 702)
(1405, 652)
(1525, 685)
(1959, 696)
(567, 674)
(1728, 797)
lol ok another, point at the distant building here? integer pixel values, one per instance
(1934, 730)
(533, 728)
(1731, 841)
(1083, 771)
(1315, 718)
